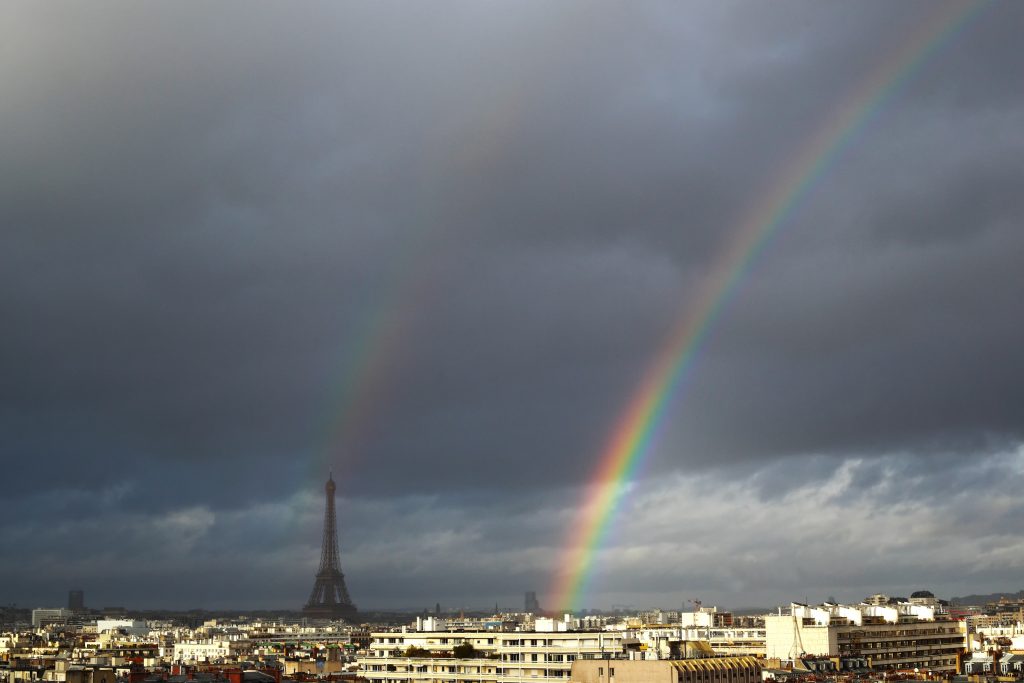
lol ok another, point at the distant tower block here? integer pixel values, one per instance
(532, 605)
(76, 600)
(329, 599)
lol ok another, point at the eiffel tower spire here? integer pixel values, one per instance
(329, 598)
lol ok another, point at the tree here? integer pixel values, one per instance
(413, 651)
(464, 651)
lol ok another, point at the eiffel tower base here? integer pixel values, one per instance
(329, 599)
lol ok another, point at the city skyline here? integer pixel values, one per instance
(449, 252)
(376, 614)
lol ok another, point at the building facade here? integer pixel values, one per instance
(708, 670)
(909, 637)
(57, 615)
(498, 657)
(735, 642)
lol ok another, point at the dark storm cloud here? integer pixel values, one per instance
(207, 215)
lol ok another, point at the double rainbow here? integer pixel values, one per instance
(631, 438)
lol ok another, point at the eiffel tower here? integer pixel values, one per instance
(329, 599)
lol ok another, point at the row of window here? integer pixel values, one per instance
(568, 643)
(443, 641)
(513, 656)
(897, 633)
(513, 673)
(514, 642)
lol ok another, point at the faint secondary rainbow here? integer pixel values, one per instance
(631, 438)
(367, 374)
(377, 343)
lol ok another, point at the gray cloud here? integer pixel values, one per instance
(436, 249)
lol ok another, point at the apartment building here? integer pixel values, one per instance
(708, 670)
(212, 650)
(735, 642)
(498, 656)
(895, 637)
(43, 616)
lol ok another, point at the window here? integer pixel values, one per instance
(600, 671)
(611, 670)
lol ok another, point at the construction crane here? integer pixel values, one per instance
(798, 640)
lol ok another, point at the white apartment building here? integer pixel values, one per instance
(902, 636)
(1013, 632)
(730, 641)
(133, 627)
(206, 650)
(503, 657)
(42, 616)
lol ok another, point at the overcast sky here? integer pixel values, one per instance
(434, 247)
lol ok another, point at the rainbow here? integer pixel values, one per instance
(371, 366)
(377, 341)
(631, 437)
